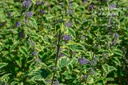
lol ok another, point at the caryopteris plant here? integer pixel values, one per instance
(63, 42)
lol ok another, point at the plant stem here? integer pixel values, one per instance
(57, 55)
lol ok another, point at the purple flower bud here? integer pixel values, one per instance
(66, 37)
(9, 14)
(28, 14)
(26, 3)
(34, 53)
(82, 61)
(18, 24)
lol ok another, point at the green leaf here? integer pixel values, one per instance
(71, 32)
(3, 65)
(63, 61)
(73, 61)
(62, 27)
(49, 16)
(109, 79)
(14, 82)
(116, 61)
(90, 80)
(118, 52)
(108, 68)
(73, 5)
(19, 63)
(23, 50)
(75, 47)
(112, 68)
(33, 23)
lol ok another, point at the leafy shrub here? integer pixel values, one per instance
(66, 42)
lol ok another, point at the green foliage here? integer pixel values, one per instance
(41, 42)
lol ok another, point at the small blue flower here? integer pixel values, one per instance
(66, 37)
(18, 24)
(28, 14)
(82, 61)
(26, 3)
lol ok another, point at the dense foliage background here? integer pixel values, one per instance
(63, 42)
